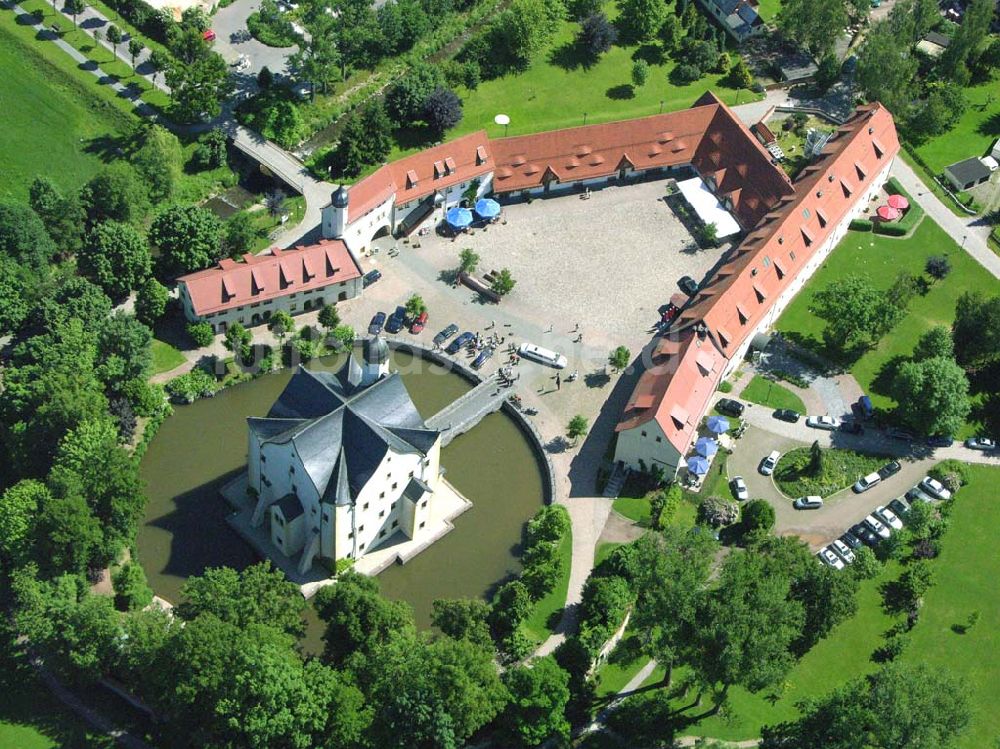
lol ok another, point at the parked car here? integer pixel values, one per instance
(852, 541)
(395, 322)
(981, 443)
(787, 414)
(935, 488)
(876, 527)
(455, 346)
(823, 422)
(830, 559)
(889, 469)
(812, 502)
(767, 465)
(899, 434)
(484, 355)
(375, 326)
(730, 407)
(865, 483)
(371, 277)
(669, 313)
(888, 517)
(842, 550)
(899, 507)
(739, 488)
(445, 334)
(688, 285)
(941, 440)
(867, 536)
(916, 494)
(419, 324)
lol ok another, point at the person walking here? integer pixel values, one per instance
(558, 381)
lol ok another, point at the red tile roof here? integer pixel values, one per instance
(260, 277)
(421, 174)
(708, 135)
(730, 305)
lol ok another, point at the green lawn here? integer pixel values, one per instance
(975, 132)
(54, 122)
(623, 664)
(165, 357)
(765, 392)
(538, 626)
(768, 9)
(840, 469)
(879, 259)
(635, 509)
(557, 91)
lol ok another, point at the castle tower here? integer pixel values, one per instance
(335, 214)
(374, 363)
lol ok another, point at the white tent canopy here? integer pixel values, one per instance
(708, 207)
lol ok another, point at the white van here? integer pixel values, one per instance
(867, 482)
(542, 355)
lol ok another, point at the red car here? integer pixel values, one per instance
(419, 323)
(669, 313)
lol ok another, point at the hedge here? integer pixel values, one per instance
(909, 220)
(861, 224)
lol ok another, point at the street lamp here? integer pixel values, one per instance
(584, 118)
(964, 237)
(661, 106)
(502, 119)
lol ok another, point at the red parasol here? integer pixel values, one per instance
(898, 202)
(887, 213)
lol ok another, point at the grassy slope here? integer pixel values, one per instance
(975, 132)
(879, 259)
(538, 625)
(548, 96)
(53, 123)
(767, 393)
(165, 357)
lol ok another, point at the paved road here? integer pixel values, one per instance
(232, 40)
(972, 231)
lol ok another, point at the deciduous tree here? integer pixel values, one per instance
(539, 694)
(932, 395)
(188, 236)
(116, 257)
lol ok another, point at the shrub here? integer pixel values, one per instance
(550, 524)
(952, 473)
(938, 266)
(685, 73)
(195, 384)
(716, 511)
(725, 386)
(201, 333)
(131, 589)
(866, 565)
(758, 515)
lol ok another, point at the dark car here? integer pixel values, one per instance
(729, 406)
(889, 469)
(395, 323)
(866, 534)
(851, 540)
(941, 440)
(371, 277)
(445, 334)
(787, 414)
(899, 507)
(375, 326)
(483, 357)
(688, 285)
(455, 346)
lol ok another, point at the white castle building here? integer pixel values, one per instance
(343, 462)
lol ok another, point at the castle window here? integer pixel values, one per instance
(381, 495)
(351, 534)
(392, 507)
(382, 514)
(295, 489)
(365, 506)
(643, 433)
(361, 529)
(381, 533)
(361, 548)
(423, 524)
(291, 469)
(395, 523)
(395, 484)
(423, 504)
(263, 458)
(411, 474)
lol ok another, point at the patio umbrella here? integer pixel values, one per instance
(887, 213)
(706, 446)
(459, 217)
(487, 208)
(898, 202)
(718, 424)
(698, 465)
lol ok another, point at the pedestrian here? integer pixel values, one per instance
(558, 381)
(577, 327)
(550, 328)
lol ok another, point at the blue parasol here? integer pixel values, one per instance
(718, 424)
(706, 446)
(698, 465)
(459, 217)
(487, 208)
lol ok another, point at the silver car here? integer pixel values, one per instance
(981, 443)
(739, 488)
(876, 527)
(842, 550)
(768, 464)
(811, 502)
(828, 423)
(935, 488)
(888, 517)
(829, 558)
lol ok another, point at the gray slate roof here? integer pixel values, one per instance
(342, 433)
(968, 170)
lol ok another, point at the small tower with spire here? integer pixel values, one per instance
(335, 214)
(374, 363)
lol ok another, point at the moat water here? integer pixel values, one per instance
(203, 444)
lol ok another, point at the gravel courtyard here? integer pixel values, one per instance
(608, 262)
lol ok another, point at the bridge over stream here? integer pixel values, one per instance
(459, 416)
